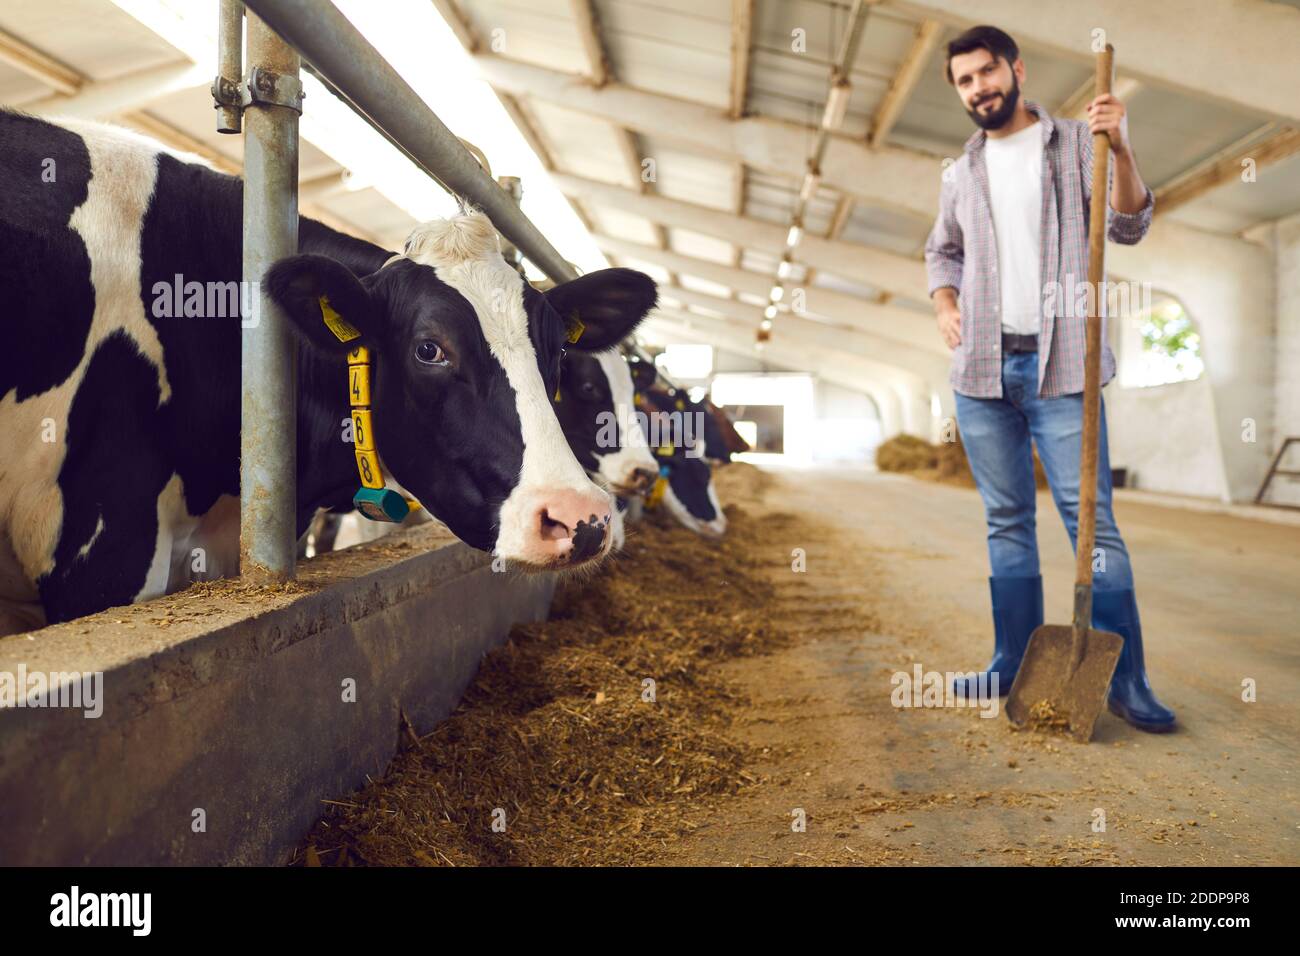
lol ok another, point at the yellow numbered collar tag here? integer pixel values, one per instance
(343, 330)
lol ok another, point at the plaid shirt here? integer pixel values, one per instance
(961, 252)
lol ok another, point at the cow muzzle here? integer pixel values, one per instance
(565, 529)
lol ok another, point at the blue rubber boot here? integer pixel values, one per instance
(1017, 611)
(1131, 697)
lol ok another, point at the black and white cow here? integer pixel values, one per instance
(597, 413)
(119, 426)
(685, 487)
(596, 406)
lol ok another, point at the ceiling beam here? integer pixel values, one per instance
(178, 139)
(889, 177)
(839, 219)
(515, 109)
(739, 181)
(742, 41)
(528, 129)
(900, 326)
(1239, 54)
(632, 161)
(22, 56)
(905, 80)
(892, 178)
(451, 12)
(857, 263)
(1076, 104)
(926, 365)
(124, 93)
(1225, 166)
(588, 26)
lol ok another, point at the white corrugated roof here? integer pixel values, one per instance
(682, 52)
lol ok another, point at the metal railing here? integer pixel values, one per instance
(266, 102)
(345, 60)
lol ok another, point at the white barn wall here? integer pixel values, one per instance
(1165, 436)
(1226, 285)
(1286, 408)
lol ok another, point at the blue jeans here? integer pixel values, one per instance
(997, 434)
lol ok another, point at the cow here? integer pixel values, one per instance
(120, 420)
(685, 485)
(595, 405)
(721, 440)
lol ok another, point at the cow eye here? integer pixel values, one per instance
(430, 353)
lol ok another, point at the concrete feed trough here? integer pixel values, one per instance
(230, 712)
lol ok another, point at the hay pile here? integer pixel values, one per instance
(906, 453)
(556, 737)
(945, 462)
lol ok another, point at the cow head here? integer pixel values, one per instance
(465, 356)
(594, 404)
(688, 491)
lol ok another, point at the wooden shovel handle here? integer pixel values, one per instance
(1087, 528)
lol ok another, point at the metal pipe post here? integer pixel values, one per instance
(230, 59)
(268, 425)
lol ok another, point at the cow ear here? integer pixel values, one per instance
(602, 308)
(326, 303)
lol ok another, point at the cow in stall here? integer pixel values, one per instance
(120, 415)
(685, 485)
(595, 405)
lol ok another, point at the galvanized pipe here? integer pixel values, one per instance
(230, 60)
(514, 188)
(338, 51)
(268, 425)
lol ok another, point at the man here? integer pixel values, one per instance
(1011, 241)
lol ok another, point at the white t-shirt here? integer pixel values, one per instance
(1015, 168)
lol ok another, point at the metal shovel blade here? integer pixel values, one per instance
(1063, 681)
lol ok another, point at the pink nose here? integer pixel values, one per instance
(571, 527)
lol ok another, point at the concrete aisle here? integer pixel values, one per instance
(896, 575)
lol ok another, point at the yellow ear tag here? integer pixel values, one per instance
(657, 492)
(665, 451)
(575, 328)
(557, 393)
(342, 329)
(681, 406)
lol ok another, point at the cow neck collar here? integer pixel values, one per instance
(664, 452)
(374, 499)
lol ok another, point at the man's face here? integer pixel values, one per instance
(989, 87)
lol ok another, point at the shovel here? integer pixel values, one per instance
(1065, 674)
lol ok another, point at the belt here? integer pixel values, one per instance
(1012, 342)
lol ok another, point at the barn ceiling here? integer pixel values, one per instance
(679, 130)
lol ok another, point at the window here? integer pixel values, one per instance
(1159, 345)
(681, 361)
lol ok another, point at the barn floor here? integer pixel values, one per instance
(1220, 603)
(776, 696)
